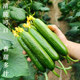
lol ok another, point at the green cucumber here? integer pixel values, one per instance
(51, 37)
(47, 47)
(38, 51)
(42, 41)
(32, 57)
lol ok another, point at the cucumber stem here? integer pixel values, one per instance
(46, 76)
(62, 66)
(65, 68)
(67, 60)
(56, 73)
(72, 59)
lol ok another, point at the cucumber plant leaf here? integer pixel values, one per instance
(41, 77)
(1, 65)
(2, 79)
(1, 14)
(5, 33)
(5, 43)
(76, 71)
(39, 6)
(17, 63)
(75, 31)
(77, 14)
(17, 13)
(15, 78)
(74, 24)
(32, 72)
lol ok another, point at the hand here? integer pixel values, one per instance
(58, 32)
(73, 48)
(28, 59)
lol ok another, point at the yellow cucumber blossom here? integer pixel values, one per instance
(16, 28)
(27, 25)
(30, 18)
(15, 33)
(19, 29)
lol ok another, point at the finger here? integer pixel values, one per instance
(24, 52)
(55, 29)
(28, 59)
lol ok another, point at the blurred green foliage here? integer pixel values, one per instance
(70, 10)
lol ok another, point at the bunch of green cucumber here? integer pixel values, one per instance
(43, 47)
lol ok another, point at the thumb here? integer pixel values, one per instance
(58, 32)
(55, 29)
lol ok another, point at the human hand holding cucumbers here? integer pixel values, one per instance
(73, 48)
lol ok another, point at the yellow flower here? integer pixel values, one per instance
(15, 33)
(16, 28)
(20, 29)
(30, 18)
(27, 25)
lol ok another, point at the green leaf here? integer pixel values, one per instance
(71, 3)
(39, 6)
(15, 78)
(5, 33)
(78, 4)
(1, 14)
(62, 6)
(45, 1)
(1, 65)
(75, 31)
(44, 9)
(74, 24)
(17, 13)
(76, 70)
(2, 79)
(17, 64)
(32, 72)
(46, 17)
(4, 43)
(77, 14)
(12, 3)
(6, 37)
(41, 77)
